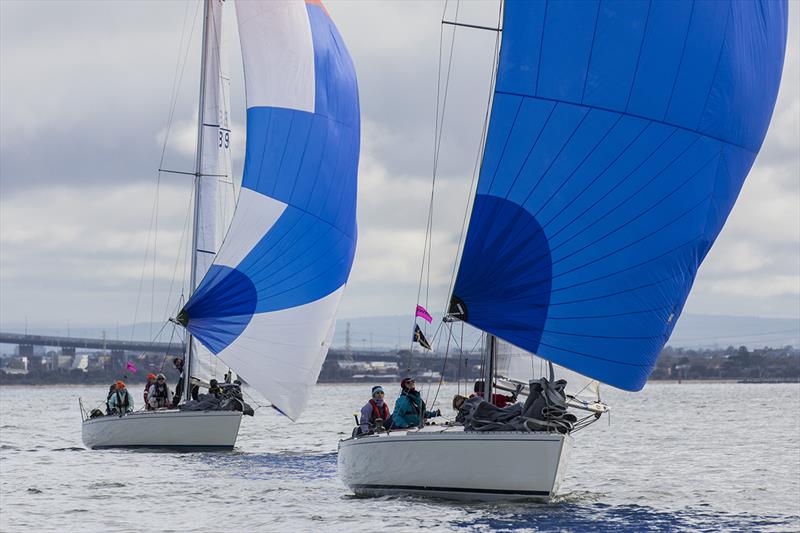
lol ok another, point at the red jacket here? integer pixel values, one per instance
(500, 400)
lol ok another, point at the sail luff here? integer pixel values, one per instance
(214, 138)
(612, 160)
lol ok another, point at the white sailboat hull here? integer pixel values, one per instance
(179, 430)
(456, 464)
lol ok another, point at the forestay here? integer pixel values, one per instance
(620, 135)
(266, 306)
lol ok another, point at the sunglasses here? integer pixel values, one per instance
(160, 379)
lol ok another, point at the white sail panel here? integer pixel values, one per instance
(276, 40)
(255, 216)
(281, 353)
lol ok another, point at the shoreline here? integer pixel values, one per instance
(367, 382)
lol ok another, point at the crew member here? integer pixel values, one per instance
(178, 362)
(214, 388)
(409, 409)
(151, 378)
(121, 400)
(500, 400)
(159, 396)
(111, 390)
(375, 409)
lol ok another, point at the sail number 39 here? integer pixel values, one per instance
(224, 139)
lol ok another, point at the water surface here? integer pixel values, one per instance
(692, 457)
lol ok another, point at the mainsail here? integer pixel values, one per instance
(519, 366)
(266, 306)
(214, 190)
(620, 135)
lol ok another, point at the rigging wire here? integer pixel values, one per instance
(441, 100)
(178, 257)
(444, 364)
(476, 167)
(155, 253)
(479, 158)
(176, 83)
(438, 121)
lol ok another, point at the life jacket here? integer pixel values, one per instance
(147, 389)
(108, 401)
(160, 392)
(376, 411)
(123, 401)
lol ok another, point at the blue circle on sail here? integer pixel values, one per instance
(506, 272)
(221, 307)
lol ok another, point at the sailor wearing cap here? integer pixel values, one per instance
(375, 412)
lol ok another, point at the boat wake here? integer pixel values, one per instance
(568, 516)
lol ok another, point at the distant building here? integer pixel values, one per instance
(80, 362)
(16, 365)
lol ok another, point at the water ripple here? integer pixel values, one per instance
(662, 473)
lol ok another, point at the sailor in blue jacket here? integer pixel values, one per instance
(121, 401)
(409, 406)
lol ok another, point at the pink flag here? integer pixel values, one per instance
(422, 312)
(131, 367)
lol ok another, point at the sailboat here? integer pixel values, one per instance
(264, 301)
(619, 138)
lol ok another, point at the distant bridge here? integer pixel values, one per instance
(72, 343)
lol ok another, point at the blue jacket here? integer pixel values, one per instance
(407, 409)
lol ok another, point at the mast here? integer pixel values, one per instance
(491, 350)
(187, 364)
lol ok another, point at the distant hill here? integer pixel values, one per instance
(692, 331)
(381, 332)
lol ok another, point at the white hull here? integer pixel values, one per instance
(183, 430)
(456, 464)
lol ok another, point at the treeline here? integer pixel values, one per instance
(731, 363)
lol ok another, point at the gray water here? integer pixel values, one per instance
(693, 457)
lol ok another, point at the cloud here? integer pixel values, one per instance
(85, 94)
(80, 252)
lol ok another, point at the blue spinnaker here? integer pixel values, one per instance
(620, 135)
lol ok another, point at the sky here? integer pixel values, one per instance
(85, 98)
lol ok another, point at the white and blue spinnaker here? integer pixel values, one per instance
(266, 305)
